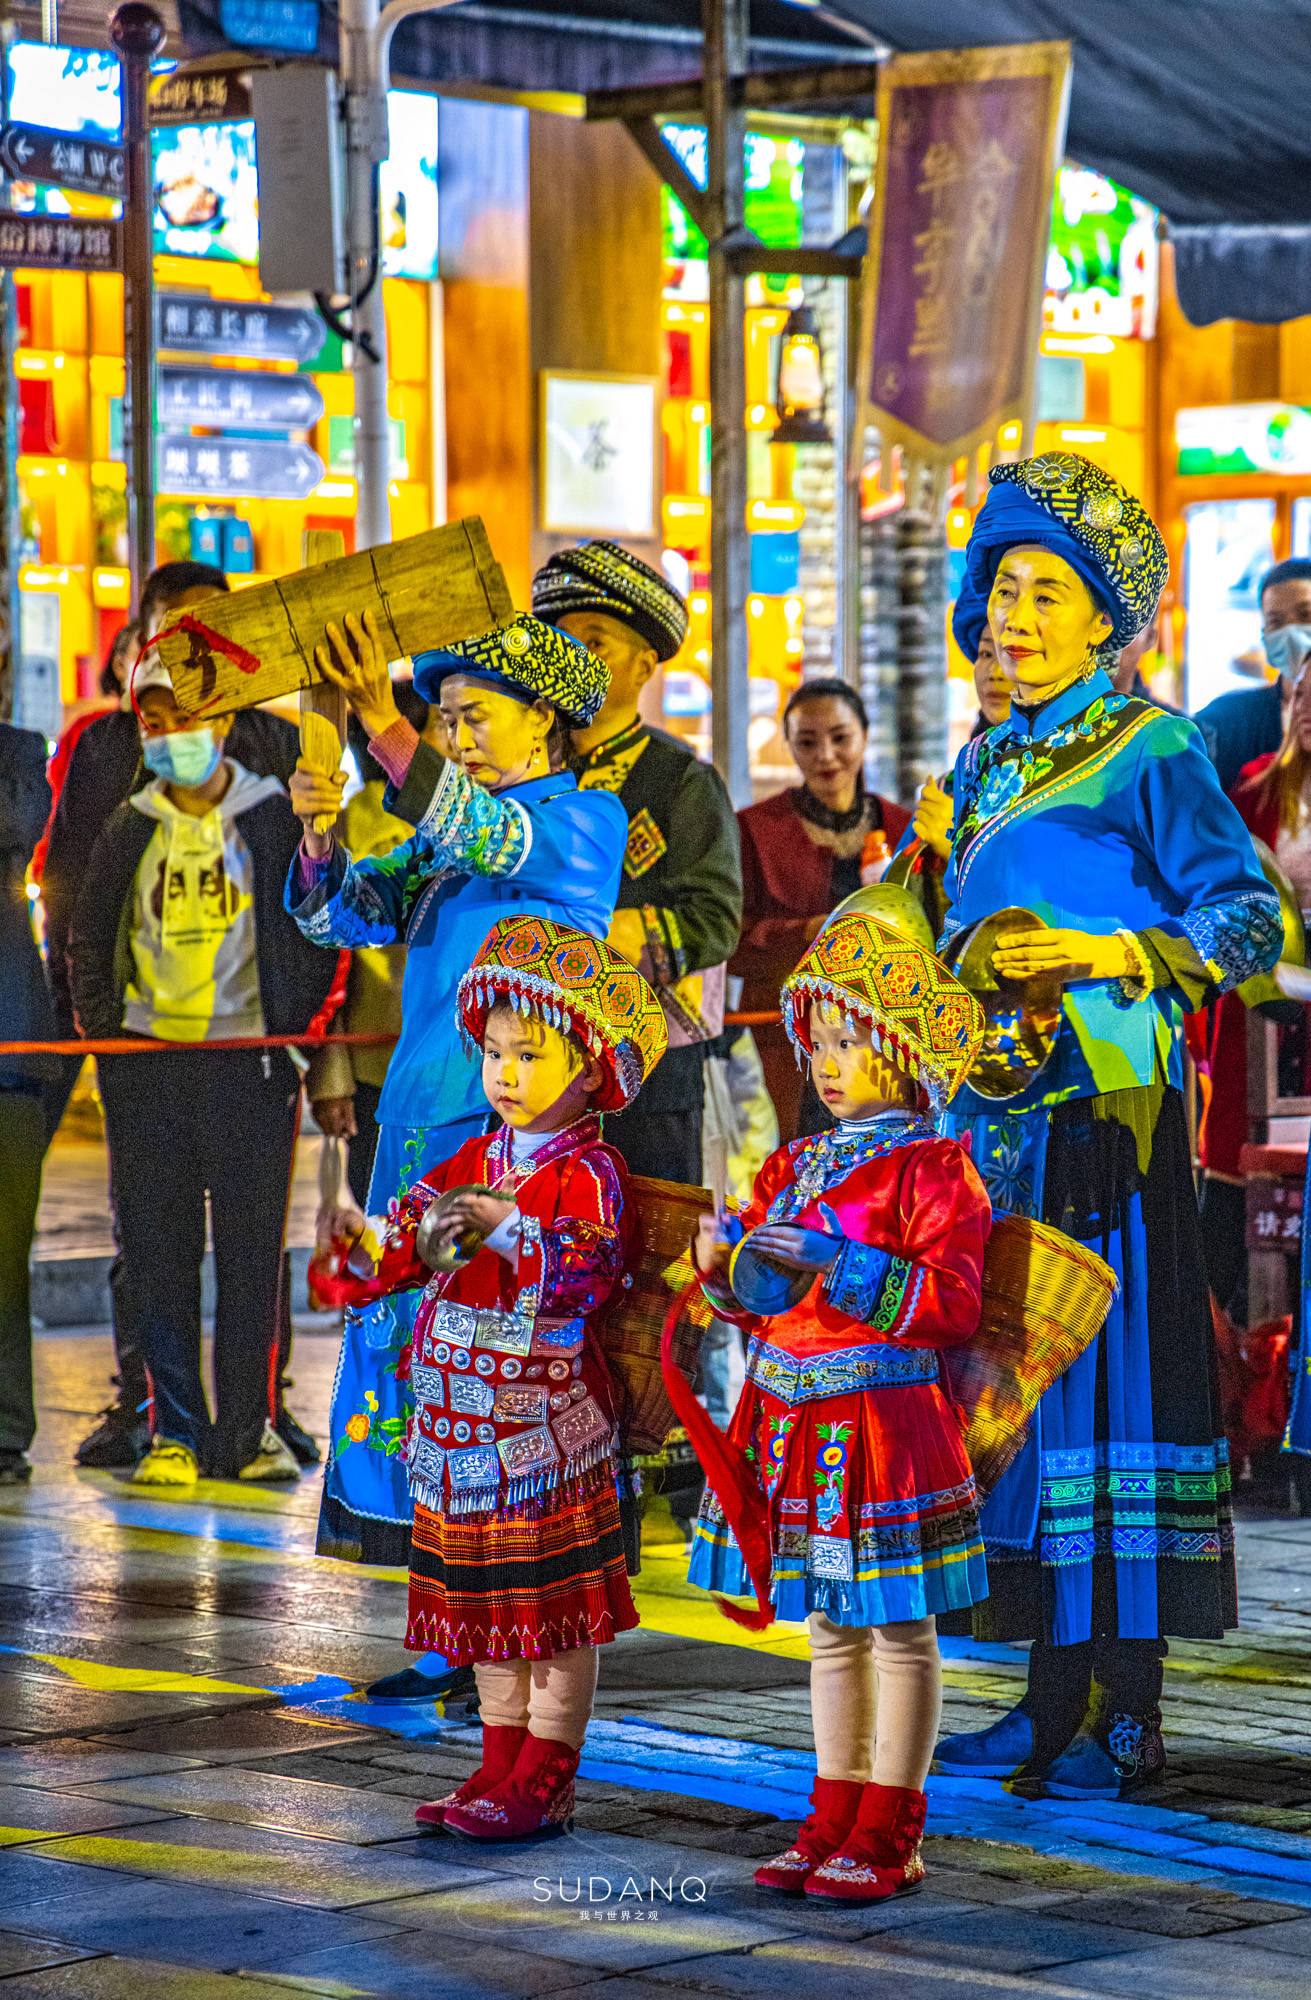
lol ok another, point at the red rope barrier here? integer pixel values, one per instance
(142, 1045)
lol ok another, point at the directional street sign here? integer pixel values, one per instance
(90, 166)
(59, 243)
(258, 468)
(225, 399)
(194, 323)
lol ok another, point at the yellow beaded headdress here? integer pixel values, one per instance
(923, 1019)
(572, 982)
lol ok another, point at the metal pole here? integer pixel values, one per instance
(724, 27)
(365, 81)
(137, 33)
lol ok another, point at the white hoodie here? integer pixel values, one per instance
(194, 976)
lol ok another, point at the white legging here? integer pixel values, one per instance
(876, 1698)
(553, 1696)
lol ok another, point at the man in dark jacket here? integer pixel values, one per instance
(105, 769)
(179, 934)
(25, 1016)
(679, 906)
(1239, 727)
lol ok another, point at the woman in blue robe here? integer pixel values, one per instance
(1102, 814)
(498, 833)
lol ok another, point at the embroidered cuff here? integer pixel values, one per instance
(856, 1278)
(1139, 981)
(395, 748)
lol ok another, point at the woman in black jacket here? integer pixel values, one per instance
(180, 934)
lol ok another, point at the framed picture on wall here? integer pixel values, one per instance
(598, 453)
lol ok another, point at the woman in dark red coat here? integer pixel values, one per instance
(803, 851)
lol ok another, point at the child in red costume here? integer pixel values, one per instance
(518, 1562)
(846, 1496)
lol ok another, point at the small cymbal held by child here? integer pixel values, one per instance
(517, 1562)
(846, 1481)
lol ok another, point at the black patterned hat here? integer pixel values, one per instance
(600, 576)
(526, 658)
(1069, 505)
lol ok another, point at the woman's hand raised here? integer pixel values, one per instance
(357, 664)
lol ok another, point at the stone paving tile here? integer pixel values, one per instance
(143, 1979)
(256, 1798)
(1197, 1969)
(533, 1914)
(825, 1970)
(426, 1966)
(57, 1706)
(27, 1814)
(327, 1874)
(229, 1738)
(1292, 1937)
(73, 1760)
(211, 1928)
(1036, 1941)
(20, 1954)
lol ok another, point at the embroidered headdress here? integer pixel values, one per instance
(600, 576)
(572, 982)
(525, 658)
(1066, 504)
(922, 1018)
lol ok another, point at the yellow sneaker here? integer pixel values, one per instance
(167, 1463)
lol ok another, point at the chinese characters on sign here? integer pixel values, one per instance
(958, 242)
(218, 397)
(1274, 1215)
(268, 468)
(188, 97)
(194, 323)
(58, 244)
(91, 166)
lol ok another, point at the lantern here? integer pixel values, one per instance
(801, 400)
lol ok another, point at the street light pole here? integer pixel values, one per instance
(724, 29)
(366, 32)
(137, 33)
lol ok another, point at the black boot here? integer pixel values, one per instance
(1022, 1743)
(1120, 1750)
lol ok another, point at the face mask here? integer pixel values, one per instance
(1287, 648)
(183, 757)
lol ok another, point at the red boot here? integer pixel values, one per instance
(501, 1745)
(536, 1797)
(834, 1804)
(881, 1855)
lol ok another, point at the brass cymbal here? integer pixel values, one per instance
(1023, 1015)
(451, 1256)
(889, 904)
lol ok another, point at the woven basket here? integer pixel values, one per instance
(630, 1328)
(1045, 1297)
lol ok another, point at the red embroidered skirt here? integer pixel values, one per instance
(521, 1583)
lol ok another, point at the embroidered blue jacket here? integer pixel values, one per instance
(1103, 813)
(475, 856)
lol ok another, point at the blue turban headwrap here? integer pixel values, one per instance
(1066, 504)
(525, 658)
(969, 618)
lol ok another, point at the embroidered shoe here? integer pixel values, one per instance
(834, 1804)
(167, 1463)
(1122, 1754)
(995, 1752)
(880, 1857)
(501, 1746)
(537, 1796)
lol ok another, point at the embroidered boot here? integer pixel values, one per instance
(501, 1745)
(834, 1804)
(880, 1857)
(536, 1797)
(1119, 1751)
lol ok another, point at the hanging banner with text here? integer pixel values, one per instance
(969, 144)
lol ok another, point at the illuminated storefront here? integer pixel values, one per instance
(254, 405)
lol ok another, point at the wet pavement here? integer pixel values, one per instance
(195, 1801)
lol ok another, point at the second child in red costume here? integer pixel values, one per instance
(858, 1258)
(517, 1564)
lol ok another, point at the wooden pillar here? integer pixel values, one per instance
(724, 26)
